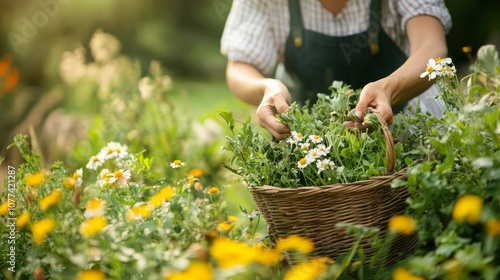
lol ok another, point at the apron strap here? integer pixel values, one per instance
(297, 26)
(374, 28)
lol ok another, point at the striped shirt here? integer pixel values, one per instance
(256, 30)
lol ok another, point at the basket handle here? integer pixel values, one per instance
(390, 153)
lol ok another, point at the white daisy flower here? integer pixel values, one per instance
(177, 164)
(314, 153)
(305, 146)
(448, 71)
(315, 139)
(302, 163)
(322, 165)
(103, 179)
(323, 150)
(297, 136)
(114, 150)
(433, 69)
(120, 177)
(292, 141)
(95, 208)
(95, 162)
(78, 176)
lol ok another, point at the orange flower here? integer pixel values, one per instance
(4, 65)
(12, 79)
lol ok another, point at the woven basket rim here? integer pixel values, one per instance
(357, 186)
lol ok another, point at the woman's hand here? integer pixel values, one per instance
(376, 95)
(276, 99)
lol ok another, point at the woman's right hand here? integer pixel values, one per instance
(276, 99)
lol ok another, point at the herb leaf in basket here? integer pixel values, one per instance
(321, 150)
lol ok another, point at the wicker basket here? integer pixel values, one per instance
(313, 212)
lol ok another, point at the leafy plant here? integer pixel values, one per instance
(321, 150)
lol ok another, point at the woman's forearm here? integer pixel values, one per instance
(245, 82)
(427, 40)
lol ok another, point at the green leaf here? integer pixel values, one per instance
(337, 84)
(228, 117)
(440, 147)
(487, 57)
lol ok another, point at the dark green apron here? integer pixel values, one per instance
(314, 60)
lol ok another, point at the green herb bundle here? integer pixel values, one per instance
(321, 150)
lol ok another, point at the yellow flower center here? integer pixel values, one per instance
(213, 190)
(177, 162)
(303, 161)
(95, 159)
(118, 174)
(438, 59)
(429, 69)
(94, 204)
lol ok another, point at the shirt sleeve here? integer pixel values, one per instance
(247, 36)
(435, 8)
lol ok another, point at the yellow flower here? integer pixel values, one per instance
(197, 172)
(295, 242)
(403, 274)
(232, 219)
(493, 227)
(95, 208)
(268, 257)
(402, 224)
(454, 269)
(91, 274)
(197, 270)
(51, 199)
(164, 194)
(4, 208)
(229, 253)
(224, 227)
(34, 180)
(92, 226)
(468, 207)
(41, 229)
(23, 220)
(69, 182)
(139, 212)
(308, 270)
(213, 190)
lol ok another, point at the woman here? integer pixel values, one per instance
(380, 46)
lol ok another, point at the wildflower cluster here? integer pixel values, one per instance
(439, 67)
(313, 150)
